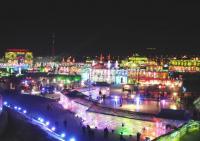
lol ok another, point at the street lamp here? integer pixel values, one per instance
(89, 80)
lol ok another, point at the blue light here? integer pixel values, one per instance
(62, 135)
(53, 128)
(5, 103)
(72, 139)
(47, 123)
(26, 82)
(41, 119)
(137, 100)
(184, 89)
(116, 98)
(15, 107)
(19, 108)
(24, 111)
(163, 101)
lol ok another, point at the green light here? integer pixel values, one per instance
(124, 131)
(68, 78)
(41, 69)
(7, 69)
(176, 135)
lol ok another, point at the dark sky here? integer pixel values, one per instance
(92, 28)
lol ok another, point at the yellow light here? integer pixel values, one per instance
(173, 106)
(172, 85)
(175, 93)
(132, 96)
(61, 85)
(126, 86)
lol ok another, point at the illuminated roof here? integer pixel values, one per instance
(99, 66)
(17, 50)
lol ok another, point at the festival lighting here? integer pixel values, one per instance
(113, 122)
(173, 106)
(192, 126)
(61, 85)
(163, 102)
(68, 81)
(38, 122)
(175, 93)
(95, 120)
(47, 123)
(116, 98)
(172, 86)
(19, 108)
(40, 119)
(138, 100)
(53, 128)
(132, 96)
(24, 111)
(63, 135)
(108, 65)
(72, 139)
(5, 103)
(116, 65)
(126, 86)
(184, 89)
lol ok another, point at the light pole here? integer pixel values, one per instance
(89, 81)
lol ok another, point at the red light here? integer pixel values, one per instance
(17, 50)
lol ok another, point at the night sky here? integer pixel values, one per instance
(92, 28)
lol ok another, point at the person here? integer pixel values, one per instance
(147, 139)
(100, 93)
(48, 107)
(144, 129)
(90, 97)
(56, 123)
(113, 131)
(130, 136)
(92, 133)
(65, 123)
(168, 127)
(106, 132)
(104, 97)
(121, 101)
(83, 129)
(88, 128)
(121, 136)
(138, 136)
